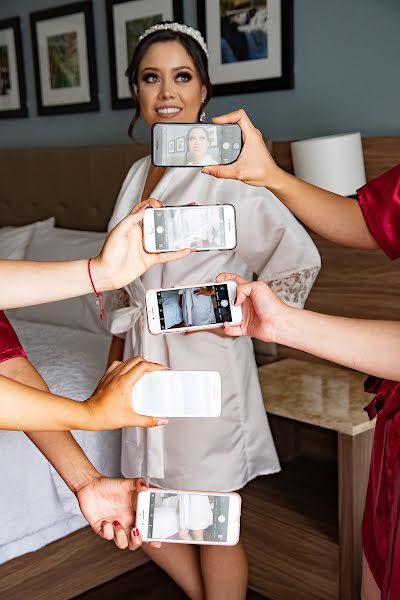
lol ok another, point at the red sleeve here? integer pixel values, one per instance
(10, 346)
(379, 201)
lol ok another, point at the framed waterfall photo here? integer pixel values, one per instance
(250, 44)
(64, 59)
(12, 79)
(126, 21)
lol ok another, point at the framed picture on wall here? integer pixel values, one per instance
(250, 44)
(171, 146)
(63, 47)
(12, 78)
(180, 144)
(126, 21)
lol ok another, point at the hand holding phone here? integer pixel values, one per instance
(192, 308)
(195, 144)
(186, 517)
(178, 394)
(173, 228)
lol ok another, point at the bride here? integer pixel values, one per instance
(169, 82)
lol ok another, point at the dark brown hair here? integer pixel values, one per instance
(190, 45)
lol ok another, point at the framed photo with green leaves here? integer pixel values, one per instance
(12, 78)
(126, 21)
(64, 59)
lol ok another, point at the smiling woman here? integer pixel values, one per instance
(169, 81)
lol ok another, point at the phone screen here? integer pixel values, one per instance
(182, 393)
(188, 516)
(194, 307)
(196, 144)
(190, 227)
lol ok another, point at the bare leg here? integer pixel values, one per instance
(369, 589)
(224, 570)
(198, 535)
(184, 534)
(182, 563)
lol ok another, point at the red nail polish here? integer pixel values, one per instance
(116, 524)
(136, 532)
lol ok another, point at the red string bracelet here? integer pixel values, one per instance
(99, 295)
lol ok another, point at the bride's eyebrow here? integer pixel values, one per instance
(174, 69)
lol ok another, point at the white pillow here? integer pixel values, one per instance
(15, 240)
(57, 245)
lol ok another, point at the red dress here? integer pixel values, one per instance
(380, 204)
(10, 346)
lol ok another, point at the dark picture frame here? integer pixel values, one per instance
(229, 71)
(12, 73)
(64, 59)
(133, 18)
(180, 144)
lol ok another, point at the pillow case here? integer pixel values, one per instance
(58, 245)
(14, 241)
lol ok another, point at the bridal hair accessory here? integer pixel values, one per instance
(179, 28)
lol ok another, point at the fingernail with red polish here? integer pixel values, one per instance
(162, 421)
(116, 524)
(136, 532)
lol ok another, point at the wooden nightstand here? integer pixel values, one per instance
(301, 527)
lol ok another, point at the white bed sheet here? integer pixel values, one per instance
(36, 507)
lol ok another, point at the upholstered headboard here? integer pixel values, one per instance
(77, 185)
(80, 186)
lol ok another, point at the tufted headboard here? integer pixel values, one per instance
(77, 185)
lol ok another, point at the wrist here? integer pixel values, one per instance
(101, 276)
(278, 182)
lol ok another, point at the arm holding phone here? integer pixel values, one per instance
(369, 346)
(106, 503)
(332, 216)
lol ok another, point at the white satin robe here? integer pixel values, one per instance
(211, 453)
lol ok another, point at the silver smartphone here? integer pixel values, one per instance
(195, 144)
(178, 394)
(170, 228)
(186, 517)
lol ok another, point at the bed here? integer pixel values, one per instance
(69, 194)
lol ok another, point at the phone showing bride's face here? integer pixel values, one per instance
(203, 227)
(195, 144)
(186, 517)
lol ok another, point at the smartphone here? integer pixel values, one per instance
(178, 394)
(185, 517)
(195, 144)
(193, 307)
(202, 227)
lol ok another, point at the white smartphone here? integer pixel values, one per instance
(201, 227)
(195, 144)
(178, 394)
(193, 307)
(186, 517)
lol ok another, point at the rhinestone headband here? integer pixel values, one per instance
(179, 28)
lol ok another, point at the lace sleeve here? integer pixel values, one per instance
(293, 288)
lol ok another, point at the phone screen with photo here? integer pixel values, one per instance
(195, 144)
(194, 307)
(188, 516)
(197, 227)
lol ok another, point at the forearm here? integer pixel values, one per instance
(59, 447)
(372, 347)
(334, 217)
(37, 282)
(23, 407)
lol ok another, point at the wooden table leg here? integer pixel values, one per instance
(354, 453)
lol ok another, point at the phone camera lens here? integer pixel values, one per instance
(226, 145)
(236, 146)
(160, 229)
(224, 303)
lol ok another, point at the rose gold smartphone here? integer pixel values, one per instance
(193, 307)
(189, 517)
